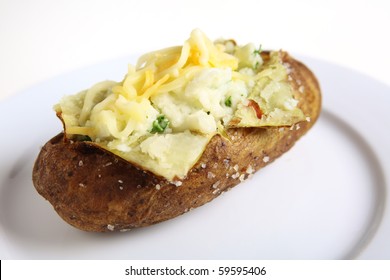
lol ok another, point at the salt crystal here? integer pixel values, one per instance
(216, 184)
(110, 227)
(249, 169)
(177, 183)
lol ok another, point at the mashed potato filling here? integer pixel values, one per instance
(173, 101)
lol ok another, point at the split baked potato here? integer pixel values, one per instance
(97, 180)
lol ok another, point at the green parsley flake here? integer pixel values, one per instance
(160, 124)
(228, 101)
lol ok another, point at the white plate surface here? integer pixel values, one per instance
(327, 198)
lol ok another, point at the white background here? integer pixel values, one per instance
(42, 39)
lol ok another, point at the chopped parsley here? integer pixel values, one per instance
(257, 51)
(159, 124)
(228, 101)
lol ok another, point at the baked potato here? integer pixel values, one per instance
(95, 188)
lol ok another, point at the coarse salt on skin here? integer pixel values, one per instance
(216, 184)
(177, 183)
(110, 227)
(249, 170)
(266, 159)
(216, 191)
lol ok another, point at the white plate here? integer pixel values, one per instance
(325, 199)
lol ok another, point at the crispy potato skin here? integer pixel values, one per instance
(94, 190)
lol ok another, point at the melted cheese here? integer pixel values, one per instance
(195, 90)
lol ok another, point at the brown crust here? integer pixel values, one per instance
(95, 190)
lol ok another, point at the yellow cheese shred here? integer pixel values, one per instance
(172, 67)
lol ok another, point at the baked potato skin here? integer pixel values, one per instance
(94, 190)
